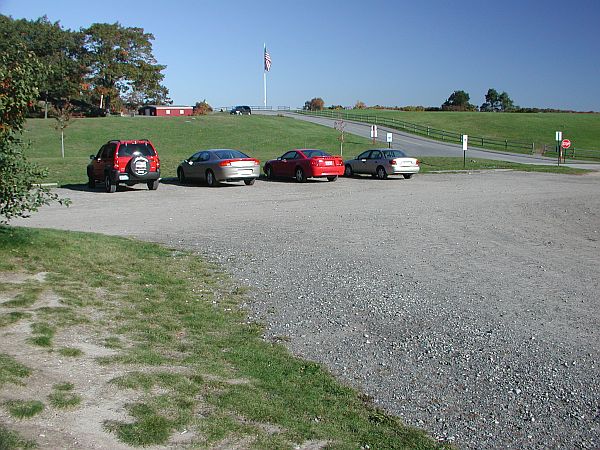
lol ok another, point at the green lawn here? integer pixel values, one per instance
(182, 344)
(582, 129)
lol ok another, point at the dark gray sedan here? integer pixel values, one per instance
(216, 165)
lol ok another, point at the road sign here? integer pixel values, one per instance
(389, 137)
(565, 143)
(373, 131)
(558, 136)
(465, 141)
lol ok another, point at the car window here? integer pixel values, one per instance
(142, 149)
(195, 157)
(111, 151)
(394, 154)
(289, 155)
(364, 155)
(102, 152)
(375, 154)
(230, 154)
(313, 153)
(204, 156)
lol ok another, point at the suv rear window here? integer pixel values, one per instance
(143, 149)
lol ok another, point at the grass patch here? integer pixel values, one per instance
(433, 164)
(196, 363)
(29, 295)
(12, 317)
(42, 334)
(24, 409)
(70, 351)
(11, 371)
(12, 440)
(62, 397)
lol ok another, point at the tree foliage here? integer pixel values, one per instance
(314, 104)
(458, 101)
(497, 102)
(20, 76)
(202, 108)
(106, 61)
(360, 105)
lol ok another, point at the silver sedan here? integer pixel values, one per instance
(381, 162)
(216, 165)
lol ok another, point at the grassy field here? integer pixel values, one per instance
(582, 129)
(264, 137)
(179, 343)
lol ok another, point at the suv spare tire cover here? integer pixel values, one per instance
(139, 166)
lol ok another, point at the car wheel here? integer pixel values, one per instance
(109, 185)
(300, 178)
(181, 175)
(153, 185)
(269, 172)
(408, 176)
(210, 179)
(249, 182)
(331, 178)
(381, 173)
(348, 171)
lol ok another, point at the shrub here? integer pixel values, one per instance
(202, 108)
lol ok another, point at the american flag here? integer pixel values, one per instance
(267, 60)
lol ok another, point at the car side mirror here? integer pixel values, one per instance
(92, 156)
(363, 160)
(279, 159)
(189, 162)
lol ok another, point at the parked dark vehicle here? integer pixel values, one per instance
(127, 162)
(241, 110)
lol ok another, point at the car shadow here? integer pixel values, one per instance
(174, 181)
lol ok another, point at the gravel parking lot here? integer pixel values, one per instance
(467, 304)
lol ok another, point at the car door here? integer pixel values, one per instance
(99, 162)
(359, 165)
(375, 160)
(284, 166)
(198, 166)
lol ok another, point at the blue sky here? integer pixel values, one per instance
(543, 53)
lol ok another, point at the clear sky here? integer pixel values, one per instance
(543, 53)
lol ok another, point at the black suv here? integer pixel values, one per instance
(241, 110)
(125, 161)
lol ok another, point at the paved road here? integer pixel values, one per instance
(420, 146)
(467, 304)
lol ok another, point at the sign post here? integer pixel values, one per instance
(340, 125)
(374, 133)
(389, 137)
(565, 144)
(465, 143)
(558, 138)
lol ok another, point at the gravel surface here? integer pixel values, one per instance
(467, 304)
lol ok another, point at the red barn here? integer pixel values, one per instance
(166, 111)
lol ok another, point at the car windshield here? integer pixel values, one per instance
(136, 149)
(394, 154)
(230, 154)
(313, 153)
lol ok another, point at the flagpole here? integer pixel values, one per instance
(265, 73)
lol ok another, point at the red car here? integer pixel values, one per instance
(305, 163)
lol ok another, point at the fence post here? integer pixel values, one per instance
(505, 144)
(482, 142)
(427, 131)
(443, 134)
(533, 148)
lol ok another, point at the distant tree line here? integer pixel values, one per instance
(102, 68)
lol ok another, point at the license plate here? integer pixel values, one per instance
(245, 171)
(329, 163)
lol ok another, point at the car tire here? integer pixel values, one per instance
(381, 173)
(299, 175)
(153, 185)
(131, 168)
(348, 171)
(109, 185)
(210, 179)
(181, 175)
(249, 182)
(408, 176)
(269, 172)
(332, 178)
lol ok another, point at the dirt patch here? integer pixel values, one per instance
(21, 277)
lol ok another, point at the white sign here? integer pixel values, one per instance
(465, 141)
(373, 131)
(389, 137)
(559, 135)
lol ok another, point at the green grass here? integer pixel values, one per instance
(174, 310)
(24, 409)
(72, 352)
(11, 440)
(582, 129)
(11, 371)
(434, 164)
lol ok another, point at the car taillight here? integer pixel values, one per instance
(418, 162)
(224, 163)
(256, 161)
(393, 162)
(339, 162)
(315, 162)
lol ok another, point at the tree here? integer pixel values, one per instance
(20, 76)
(202, 108)
(491, 101)
(506, 102)
(314, 104)
(360, 105)
(63, 118)
(60, 50)
(458, 101)
(120, 61)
